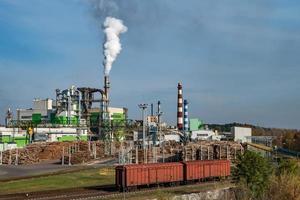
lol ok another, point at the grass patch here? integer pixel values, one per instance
(83, 178)
(168, 193)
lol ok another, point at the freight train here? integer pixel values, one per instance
(133, 176)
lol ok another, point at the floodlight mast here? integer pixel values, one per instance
(143, 107)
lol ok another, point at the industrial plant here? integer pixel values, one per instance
(84, 114)
(79, 126)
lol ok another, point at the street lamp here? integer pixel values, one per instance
(143, 107)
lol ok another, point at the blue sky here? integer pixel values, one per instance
(237, 60)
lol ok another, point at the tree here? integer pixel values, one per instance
(253, 171)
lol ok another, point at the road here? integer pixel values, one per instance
(23, 171)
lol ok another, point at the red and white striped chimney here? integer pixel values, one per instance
(180, 108)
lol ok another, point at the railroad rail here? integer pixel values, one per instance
(100, 192)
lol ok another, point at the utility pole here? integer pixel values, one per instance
(143, 107)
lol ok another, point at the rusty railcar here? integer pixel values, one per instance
(134, 175)
(206, 169)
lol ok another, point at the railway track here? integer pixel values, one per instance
(101, 192)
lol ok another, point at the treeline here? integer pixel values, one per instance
(286, 138)
(258, 179)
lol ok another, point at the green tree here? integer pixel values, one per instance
(253, 171)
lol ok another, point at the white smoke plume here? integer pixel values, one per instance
(112, 47)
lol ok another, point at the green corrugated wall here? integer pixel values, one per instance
(72, 138)
(5, 138)
(36, 118)
(196, 124)
(20, 141)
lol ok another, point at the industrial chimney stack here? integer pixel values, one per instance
(186, 115)
(106, 87)
(179, 108)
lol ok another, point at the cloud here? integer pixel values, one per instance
(237, 59)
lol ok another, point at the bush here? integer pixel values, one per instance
(288, 166)
(253, 173)
(286, 186)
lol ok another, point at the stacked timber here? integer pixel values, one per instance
(196, 151)
(200, 150)
(83, 152)
(209, 150)
(227, 150)
(143, 155)
(20, 156)
(52, 151)
(79, 157)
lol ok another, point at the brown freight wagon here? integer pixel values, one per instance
(131, 176)
(206, 169)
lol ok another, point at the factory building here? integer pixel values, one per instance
(71, 116)
(67, 110)
(13, 137)
(240, 134)
(16, 137)
(205, 135)
(41, 111)
(195, 124)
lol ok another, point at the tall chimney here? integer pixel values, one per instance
(106, 87)
(186, 114)
(179, 108)
(158, 112)
(151, 109)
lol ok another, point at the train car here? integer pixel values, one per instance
(206, 169)
(134, 175)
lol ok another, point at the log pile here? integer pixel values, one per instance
(81, 151)
(143, 155)
(209, 150)
(20, 156)
(201, 150)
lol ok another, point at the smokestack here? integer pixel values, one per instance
(158, 112)
(151, 109)
(106, 87)
(186, 118)
(179, 108)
